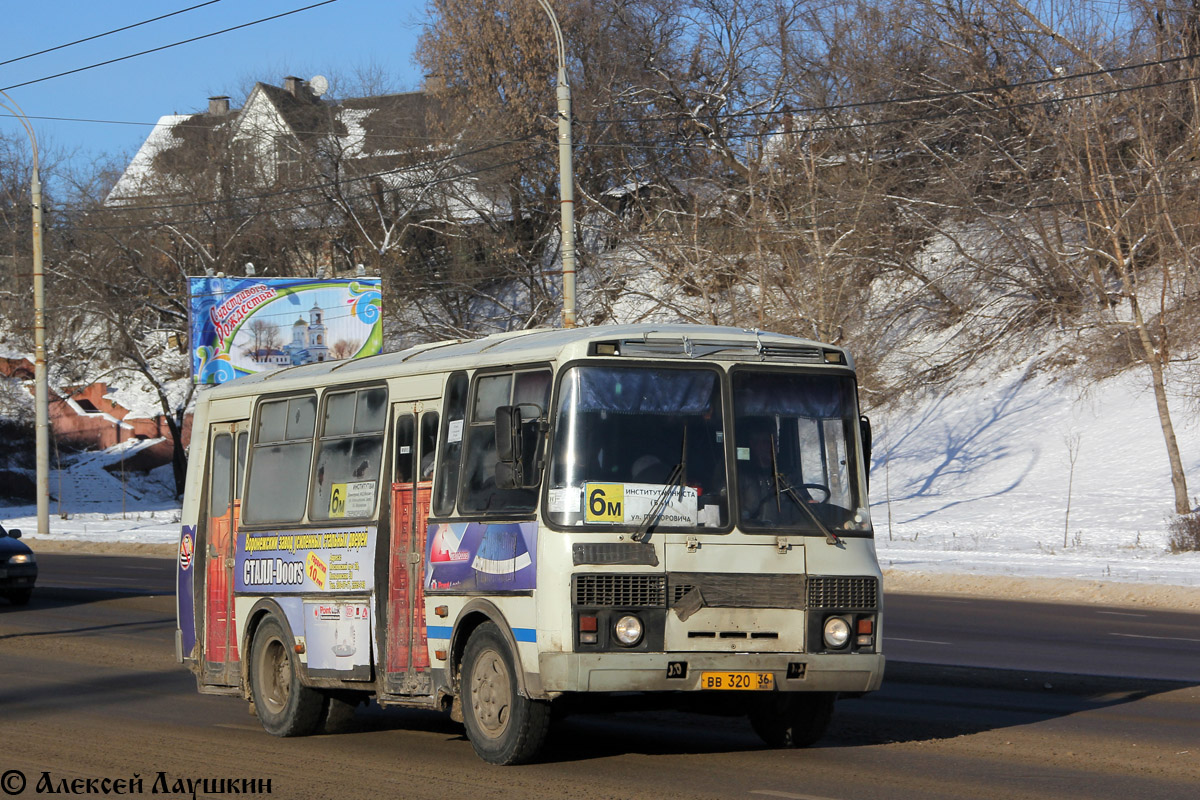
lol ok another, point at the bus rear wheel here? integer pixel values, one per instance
(795, 719)
(284, 705)
(504, 727)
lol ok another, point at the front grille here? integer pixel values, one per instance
(738, 590)
(624, 591)
(843, 593)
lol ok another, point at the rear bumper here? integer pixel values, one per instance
(647, 672)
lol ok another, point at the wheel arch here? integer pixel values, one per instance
(266, 607)
(475, 613)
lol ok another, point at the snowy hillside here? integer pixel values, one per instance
(978, 480)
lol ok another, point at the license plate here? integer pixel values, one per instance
(739, 681)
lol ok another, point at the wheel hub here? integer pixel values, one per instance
(491, 693)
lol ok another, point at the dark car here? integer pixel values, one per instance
(18, 568)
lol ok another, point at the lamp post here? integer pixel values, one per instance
(41, 384)
(565, 175)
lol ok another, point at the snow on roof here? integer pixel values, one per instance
(133, 181)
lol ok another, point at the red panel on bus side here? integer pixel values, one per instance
(406, 604)
(217, 623)
(399, 601)
(421, 645)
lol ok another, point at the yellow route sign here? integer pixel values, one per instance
(605, 502)
(337, 500)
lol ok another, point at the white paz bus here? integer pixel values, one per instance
(489, 527)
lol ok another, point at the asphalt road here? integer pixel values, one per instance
(976, 632)
(89, 690)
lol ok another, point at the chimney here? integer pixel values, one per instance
(294, 86)
(218, 106)
(434, 84)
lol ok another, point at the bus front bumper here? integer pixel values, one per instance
(682, 672)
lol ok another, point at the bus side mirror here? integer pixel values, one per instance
(516, 447)
(508, 433)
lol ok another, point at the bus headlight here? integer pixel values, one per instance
(628, 630)
(837, 633)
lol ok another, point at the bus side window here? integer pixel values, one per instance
(429, 429)
(281, 452)
(405, 451)
(480, 471)
(530, 391)
(243, 440)
(349, 454)
(450, 451)
(222, 464)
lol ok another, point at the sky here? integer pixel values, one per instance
(331, 40)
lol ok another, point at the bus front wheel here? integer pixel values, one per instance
(794, 719)
(284, 705)
(504, 727)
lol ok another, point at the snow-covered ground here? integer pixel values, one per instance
(978, 480)
(91, 504)
(975, 480)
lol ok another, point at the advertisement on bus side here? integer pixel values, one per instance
(479, 556)
(306, 561)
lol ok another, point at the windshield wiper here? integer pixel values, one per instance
(783, 487)
(677, 478)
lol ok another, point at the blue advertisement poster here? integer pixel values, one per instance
(482, 557)
(242, 326)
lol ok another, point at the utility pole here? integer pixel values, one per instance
(566, 179)
(41, 383)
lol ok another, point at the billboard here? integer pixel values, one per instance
(242, 326)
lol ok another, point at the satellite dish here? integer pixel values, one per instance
(319, 85)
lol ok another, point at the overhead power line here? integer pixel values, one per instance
(745, 135)
(168, 46)
(108, 33)
(917, 98)
(906, 100)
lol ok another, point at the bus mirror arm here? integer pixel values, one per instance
(864, 428)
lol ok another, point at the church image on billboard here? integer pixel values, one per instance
(309, 343)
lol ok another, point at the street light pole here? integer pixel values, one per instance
(566, 181)
(41, 392)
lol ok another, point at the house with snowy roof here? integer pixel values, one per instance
(95, 416)
(305, 160)
(281, 136)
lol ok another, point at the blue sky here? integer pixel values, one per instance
(332, 40)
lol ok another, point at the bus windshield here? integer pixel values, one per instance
(639, 447)
(795, 453)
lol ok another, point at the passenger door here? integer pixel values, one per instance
(227, 467)
(407, 660)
